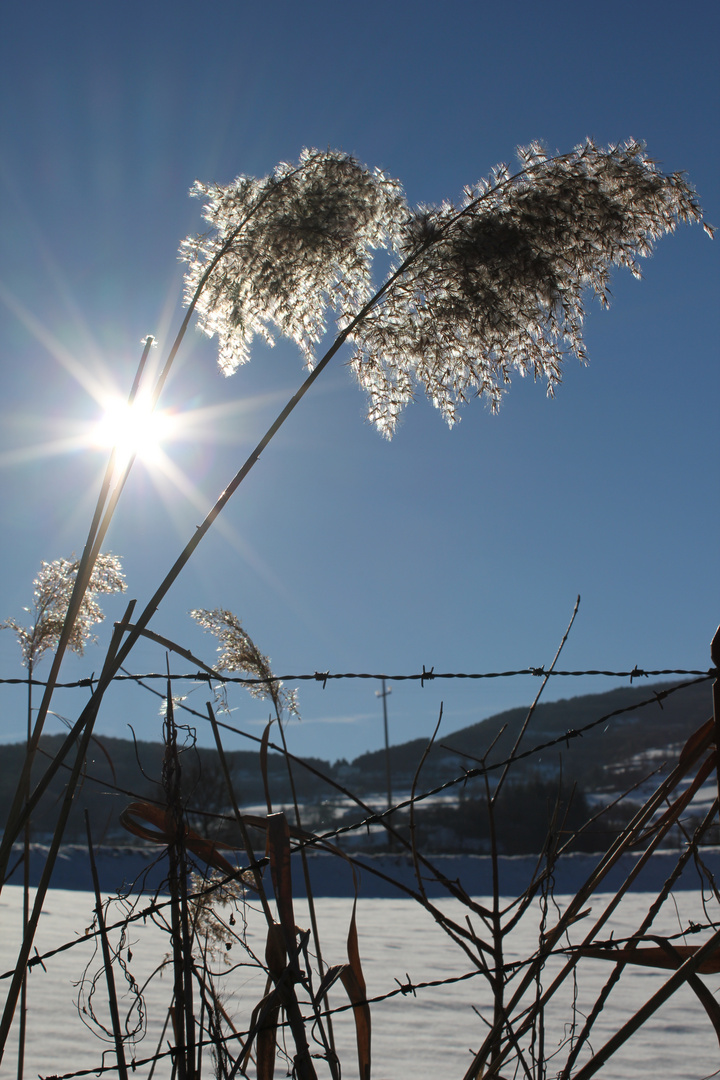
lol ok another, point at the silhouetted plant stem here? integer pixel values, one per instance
(96, 534)
(156, 1056)
(107, 960)
(645, 925)
(22, 1027)
(621, 845)
(247, 842)
(177, 877)
(44, 884)
(498, 976)
(531, 711)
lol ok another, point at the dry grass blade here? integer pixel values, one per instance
(268, 1010)
(354, 982)
(264, 765)
(413, 790)
(257, 882)
(183, 1016)
(328, 980)
(139, 815)
(660, 956)
(267, 1039)
(263, 1025)
(531, 711)
(278, 842)
(168, 643)
(699, 741)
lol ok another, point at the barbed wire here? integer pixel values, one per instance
(324, 677)
(134, 916)
(405, 989)
(570, 734)
(468, 774)
(378, 818)
(211, 887)
(408, 987)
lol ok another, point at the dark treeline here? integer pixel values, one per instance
(559, 787)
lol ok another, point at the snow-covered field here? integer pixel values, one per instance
(424, 1037)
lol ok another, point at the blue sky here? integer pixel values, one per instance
(462, 550)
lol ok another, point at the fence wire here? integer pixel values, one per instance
(407, 987)
(324, 677)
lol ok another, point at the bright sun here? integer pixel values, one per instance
(133, 429)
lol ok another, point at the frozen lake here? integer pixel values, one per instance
(427, 1037)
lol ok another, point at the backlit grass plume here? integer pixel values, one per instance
(238, 652)
(492, 284)
(52, 591)
(290, 245)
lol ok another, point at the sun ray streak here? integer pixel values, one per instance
(54, 448)
(32, 324)
(182, 484)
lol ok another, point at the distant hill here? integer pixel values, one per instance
(119, 771)
(596, 747)
(610, 756)
(623, 748)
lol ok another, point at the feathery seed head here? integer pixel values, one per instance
(52, 592)
(238, 652)
(284, 249)
(492, 286)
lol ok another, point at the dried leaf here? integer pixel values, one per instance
(654, 957)
(698, 741)
(266, 1040)
(263, 1028)
(264, 765)
(278, 842)
(354, 982)
(163, 831)
(275, 951)
(328, 980)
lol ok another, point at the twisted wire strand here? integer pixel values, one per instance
(426, 675)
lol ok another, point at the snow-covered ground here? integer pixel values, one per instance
(427, 1036)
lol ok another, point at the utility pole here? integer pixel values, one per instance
(384, 695)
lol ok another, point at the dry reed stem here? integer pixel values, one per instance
(107, 960)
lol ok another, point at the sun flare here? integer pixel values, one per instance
(133, 429)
